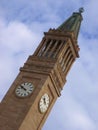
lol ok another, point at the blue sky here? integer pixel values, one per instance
(22, 23)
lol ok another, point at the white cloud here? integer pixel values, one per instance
(90, 17)
(16, 43)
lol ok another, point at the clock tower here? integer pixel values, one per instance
(40, 81)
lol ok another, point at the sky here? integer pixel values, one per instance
(22, 23)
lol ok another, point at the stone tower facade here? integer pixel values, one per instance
(33, 93)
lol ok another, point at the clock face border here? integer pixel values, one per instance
(24, 89)
(44, 103)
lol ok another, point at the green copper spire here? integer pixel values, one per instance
(72, 23)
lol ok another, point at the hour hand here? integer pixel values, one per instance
(23, 88)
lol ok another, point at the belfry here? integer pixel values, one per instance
(40, 81)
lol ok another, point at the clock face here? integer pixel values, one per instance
(24, 89)
(44, 103)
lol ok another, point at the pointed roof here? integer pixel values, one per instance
(72, 23)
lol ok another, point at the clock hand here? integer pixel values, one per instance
(23, 88)
(44, 101)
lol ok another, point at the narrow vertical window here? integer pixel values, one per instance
(44, 47)
(58, 47)
(68, 61)
(65, 56)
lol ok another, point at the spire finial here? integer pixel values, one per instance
(81, 10)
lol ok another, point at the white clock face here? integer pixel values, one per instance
(24, 89)
(44, 103)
